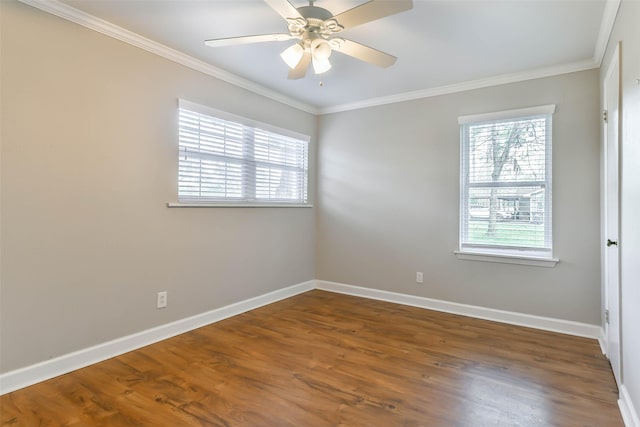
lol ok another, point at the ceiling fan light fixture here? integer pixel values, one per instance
(321, 65)
(320, 49)
(320, 53)
(292, 55)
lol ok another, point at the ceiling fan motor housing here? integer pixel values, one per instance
(315, 12)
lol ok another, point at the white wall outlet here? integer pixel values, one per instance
(161, 301)
(419, 277)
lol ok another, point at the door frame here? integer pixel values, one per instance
(605, 234)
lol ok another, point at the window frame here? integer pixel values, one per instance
(254, 125)
(506, 253)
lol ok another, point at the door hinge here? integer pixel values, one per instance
(606, 316)
(605, 116)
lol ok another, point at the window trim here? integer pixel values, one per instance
(505, 254)
(224, 115)
(507, 258)
(236, 205)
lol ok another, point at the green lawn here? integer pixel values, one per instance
(509, 233)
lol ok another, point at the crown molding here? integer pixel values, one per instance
(77, 16)
(606, 28)
(465, 86)
(72, 14)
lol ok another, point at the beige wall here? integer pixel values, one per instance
(627, 31)
(388, 201)
(89, 144)
(88, 162)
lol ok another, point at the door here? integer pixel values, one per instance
(611, 95)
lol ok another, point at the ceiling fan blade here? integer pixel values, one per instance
(301, 68)
(372, 10)
(230, 41)
(363, 53)
(284, 9)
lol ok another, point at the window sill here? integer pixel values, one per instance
(236, 205)
(507, 259)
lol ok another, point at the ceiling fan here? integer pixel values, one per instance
(314, 27)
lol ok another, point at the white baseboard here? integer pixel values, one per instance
(20, 378)
(629, 413)
(513, 318)
(602, 340)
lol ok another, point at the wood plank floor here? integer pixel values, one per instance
(324, 359)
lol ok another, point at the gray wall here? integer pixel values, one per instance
(88, 163)
(627, 31)
(389, 195)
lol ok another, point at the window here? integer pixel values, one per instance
(227, 159)
(505, 195)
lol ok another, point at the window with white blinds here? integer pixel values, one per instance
(228, 159)
(506, 183)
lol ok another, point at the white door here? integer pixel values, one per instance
(611, 94)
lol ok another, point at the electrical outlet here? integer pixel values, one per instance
(161, 301)
(419, 277)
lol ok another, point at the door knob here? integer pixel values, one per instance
(611, 243)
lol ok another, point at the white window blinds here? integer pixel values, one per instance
(506, 182)
(229, 159)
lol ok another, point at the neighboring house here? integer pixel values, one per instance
(522, 205)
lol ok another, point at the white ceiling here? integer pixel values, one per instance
(439, 44)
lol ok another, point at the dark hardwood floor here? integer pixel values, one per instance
(324, 359)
